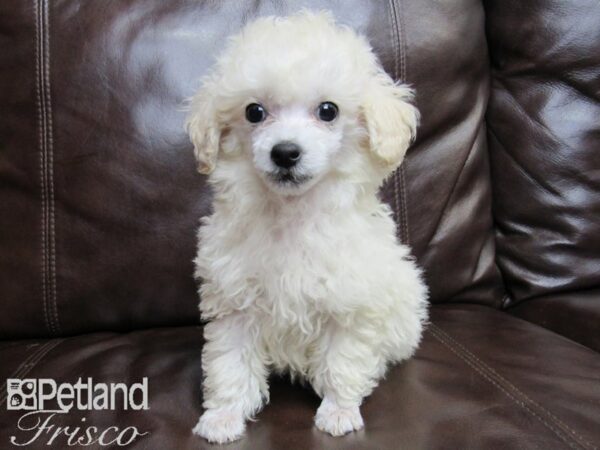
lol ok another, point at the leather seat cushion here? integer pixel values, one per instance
(481, 379)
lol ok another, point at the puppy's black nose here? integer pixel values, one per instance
(285, 154)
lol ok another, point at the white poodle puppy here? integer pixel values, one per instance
(298, 125)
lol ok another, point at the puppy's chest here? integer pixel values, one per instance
(301, 251)
(292, 260)
(288, 275)
(297, 264)
(292, 269)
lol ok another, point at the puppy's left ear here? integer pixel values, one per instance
(391, 119)
(203, 127)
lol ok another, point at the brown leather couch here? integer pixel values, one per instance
(499, 199)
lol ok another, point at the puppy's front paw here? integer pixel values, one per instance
(337, 421)
(220, 425)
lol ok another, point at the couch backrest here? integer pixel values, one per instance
(99, 198)
(544, 137)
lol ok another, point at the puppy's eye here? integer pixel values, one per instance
(327, 111)
(255, 113)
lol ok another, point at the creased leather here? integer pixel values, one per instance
(544, 137)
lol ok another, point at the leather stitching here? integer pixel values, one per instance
(401, 175)
(395, 38)
(516, 390)
(20, 369)
(520, 398)
(42, 70)
(29, 363)
(501, 388)
(41, 127)
(399, 47)
(405, 236)
(50, 167)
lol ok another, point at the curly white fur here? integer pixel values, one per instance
(307, 278)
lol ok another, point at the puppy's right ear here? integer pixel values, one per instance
(204, 130)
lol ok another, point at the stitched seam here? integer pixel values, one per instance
(508, 394)
(42, 71)
(24, 363)
(402, 173)
(50, 166)
(466, 355)
(558, 421)
(405, 237)
(41, 127)
(29, 363)
(20, 369)
(400, 74)
(395, 38)
(44, 153)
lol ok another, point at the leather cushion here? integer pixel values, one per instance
(481, 379)
(544, 135)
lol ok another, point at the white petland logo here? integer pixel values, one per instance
(44, 399)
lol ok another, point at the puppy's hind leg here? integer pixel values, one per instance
(235, 386)
(347, 372)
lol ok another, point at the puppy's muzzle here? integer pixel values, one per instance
(286, 154)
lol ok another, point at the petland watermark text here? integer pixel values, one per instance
(43, 400)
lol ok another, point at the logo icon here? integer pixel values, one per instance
(21, 394)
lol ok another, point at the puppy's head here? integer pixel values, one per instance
(300, 99)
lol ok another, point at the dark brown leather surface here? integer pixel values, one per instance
(98, 215)
(544, 136)
(481, 380)
(443, 210)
